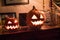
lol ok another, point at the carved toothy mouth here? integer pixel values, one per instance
(37, 22)
(12, 27)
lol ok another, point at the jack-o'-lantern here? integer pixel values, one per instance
(11, 23)
(35, 17)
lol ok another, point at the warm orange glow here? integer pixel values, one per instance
(41, 16)
(9, 22)
(7, 27)
(16, 21)
(37, 22)
(34, 17)
(12, 27)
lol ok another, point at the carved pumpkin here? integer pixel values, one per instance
(35, 17)
(11, 23)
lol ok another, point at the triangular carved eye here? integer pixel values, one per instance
(15, 21)
(41, 16)
(9, 22)
(34, 17)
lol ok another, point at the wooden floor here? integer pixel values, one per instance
(51, 34)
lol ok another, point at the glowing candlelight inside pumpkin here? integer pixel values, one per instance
(34, 17)
(37, 22)
(41, 16)
(11, 27)
(11, 23)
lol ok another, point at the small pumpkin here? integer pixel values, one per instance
(11, 23)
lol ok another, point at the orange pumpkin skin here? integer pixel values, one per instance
(11, 23)
(37, 13)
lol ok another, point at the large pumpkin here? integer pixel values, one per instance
(35, 17)
(11, 23)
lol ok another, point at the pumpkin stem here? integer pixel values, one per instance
(34, 7)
